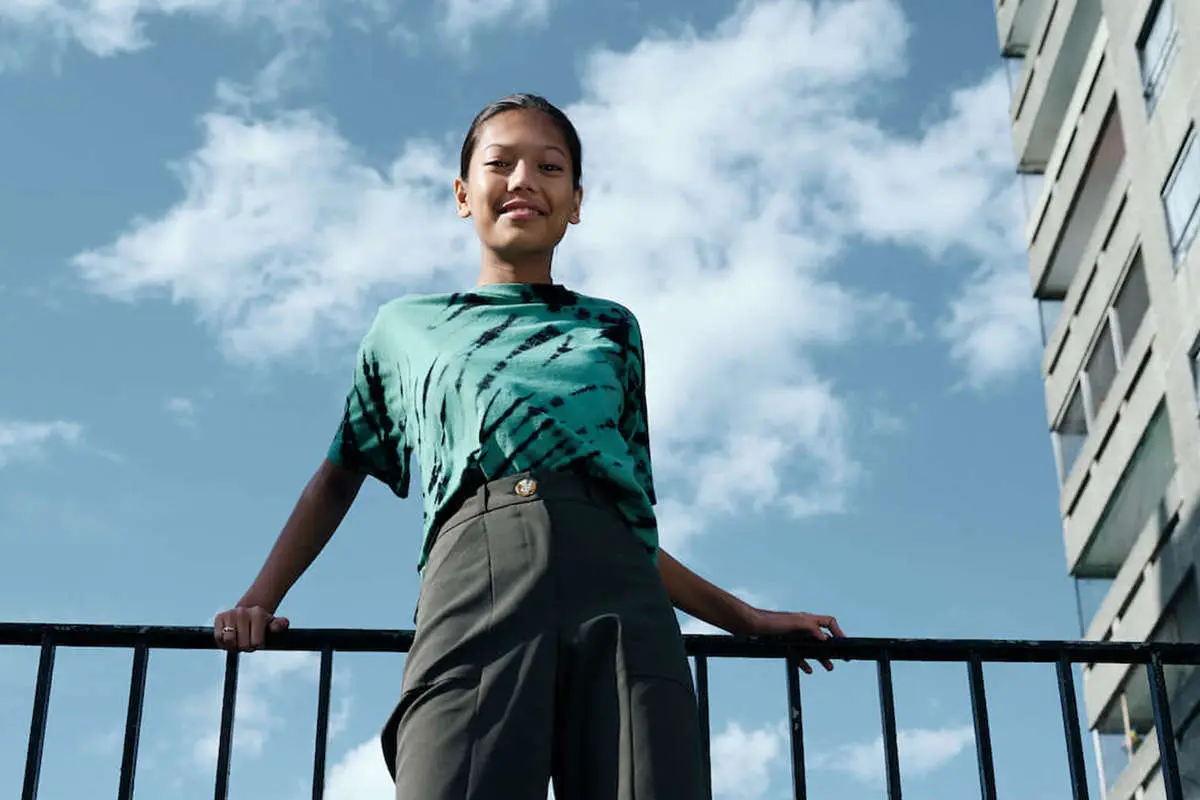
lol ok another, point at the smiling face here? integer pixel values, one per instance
(519, 190)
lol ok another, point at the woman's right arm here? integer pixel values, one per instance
(321, 508)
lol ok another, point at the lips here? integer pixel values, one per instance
(521, 208)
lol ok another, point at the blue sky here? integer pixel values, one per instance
(811, 207)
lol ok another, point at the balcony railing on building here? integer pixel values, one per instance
(1163, 667)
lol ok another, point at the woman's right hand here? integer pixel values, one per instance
(245, 627)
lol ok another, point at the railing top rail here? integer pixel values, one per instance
(855, 649)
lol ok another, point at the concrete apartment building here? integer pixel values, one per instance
(1105, 116)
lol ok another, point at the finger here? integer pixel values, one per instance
(828, 665)
(805, 667)
(834, 628)
(226, 640)
(258, 628)
(279, 624)
(243, 629)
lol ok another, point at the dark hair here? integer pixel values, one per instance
(516, 102)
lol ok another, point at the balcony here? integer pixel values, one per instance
(1082, 170)
(1156, 564)
(1147, 608)
(1064, 33)
(1015, 21)
(1087, 304)
(1124, 491)
(1121, 709)
(1158, 659)
(1100, 347)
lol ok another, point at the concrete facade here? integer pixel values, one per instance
(1106, 109)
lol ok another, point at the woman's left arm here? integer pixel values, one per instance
(688, 591)
(693, 595)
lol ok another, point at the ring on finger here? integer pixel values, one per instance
(229, 629)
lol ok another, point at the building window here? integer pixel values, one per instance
(1156, 49)
(1071, 433)
(1101, 368)
(1181, 197)
(1195, 359)
(1049, 311)
(1133, 301)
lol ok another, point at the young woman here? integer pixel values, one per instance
(546, 644)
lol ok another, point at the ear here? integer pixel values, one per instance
(575, 210)
(461, 200)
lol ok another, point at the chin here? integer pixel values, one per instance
(522, 246)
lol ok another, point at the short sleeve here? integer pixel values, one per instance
(634, 423)
(371, 438)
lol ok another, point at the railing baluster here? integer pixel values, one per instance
(225, 743)
(983, 730)
(887, 710)
(322, 742)
(1161, 703)
(1070, 715)
(705, 730)
(133, 721)
(37, 727)
(796, 720)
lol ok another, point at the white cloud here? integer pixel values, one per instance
(992, 327)
(718, 208)
(969, 214)
(106, 28)
(922, 751)
(461, 17)
(885, 421)
(260, 677)
(112, 27)
(183, 409)
(289, 260)
(23, 440)
(742, 760)
(360, 775)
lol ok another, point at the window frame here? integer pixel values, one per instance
(1188, 155)
(1154, 75)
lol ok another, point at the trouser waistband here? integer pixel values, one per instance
(527, 487)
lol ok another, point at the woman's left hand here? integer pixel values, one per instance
(797, 623)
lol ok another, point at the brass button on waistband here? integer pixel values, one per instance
(526, 487)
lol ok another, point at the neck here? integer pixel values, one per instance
(535, 269)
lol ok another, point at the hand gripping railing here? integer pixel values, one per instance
(884, 652)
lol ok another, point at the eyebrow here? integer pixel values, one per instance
(504, 146)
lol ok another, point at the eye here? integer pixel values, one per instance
(495, 162)
(552, 167)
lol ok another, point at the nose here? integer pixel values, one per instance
(522, 176)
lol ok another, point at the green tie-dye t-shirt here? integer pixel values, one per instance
(495, 381)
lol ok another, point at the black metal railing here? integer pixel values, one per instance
(884, 652)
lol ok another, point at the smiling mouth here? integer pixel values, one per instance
(521, 212)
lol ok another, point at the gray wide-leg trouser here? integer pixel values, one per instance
(546, 646)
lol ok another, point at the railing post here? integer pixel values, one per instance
(705, 724)
(796, 728)
(37, 727)
(225, 742)
(133, 721)
(1070, 715)
(887, 710)
(983, 730)
(1161, 703)
(322, 742)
